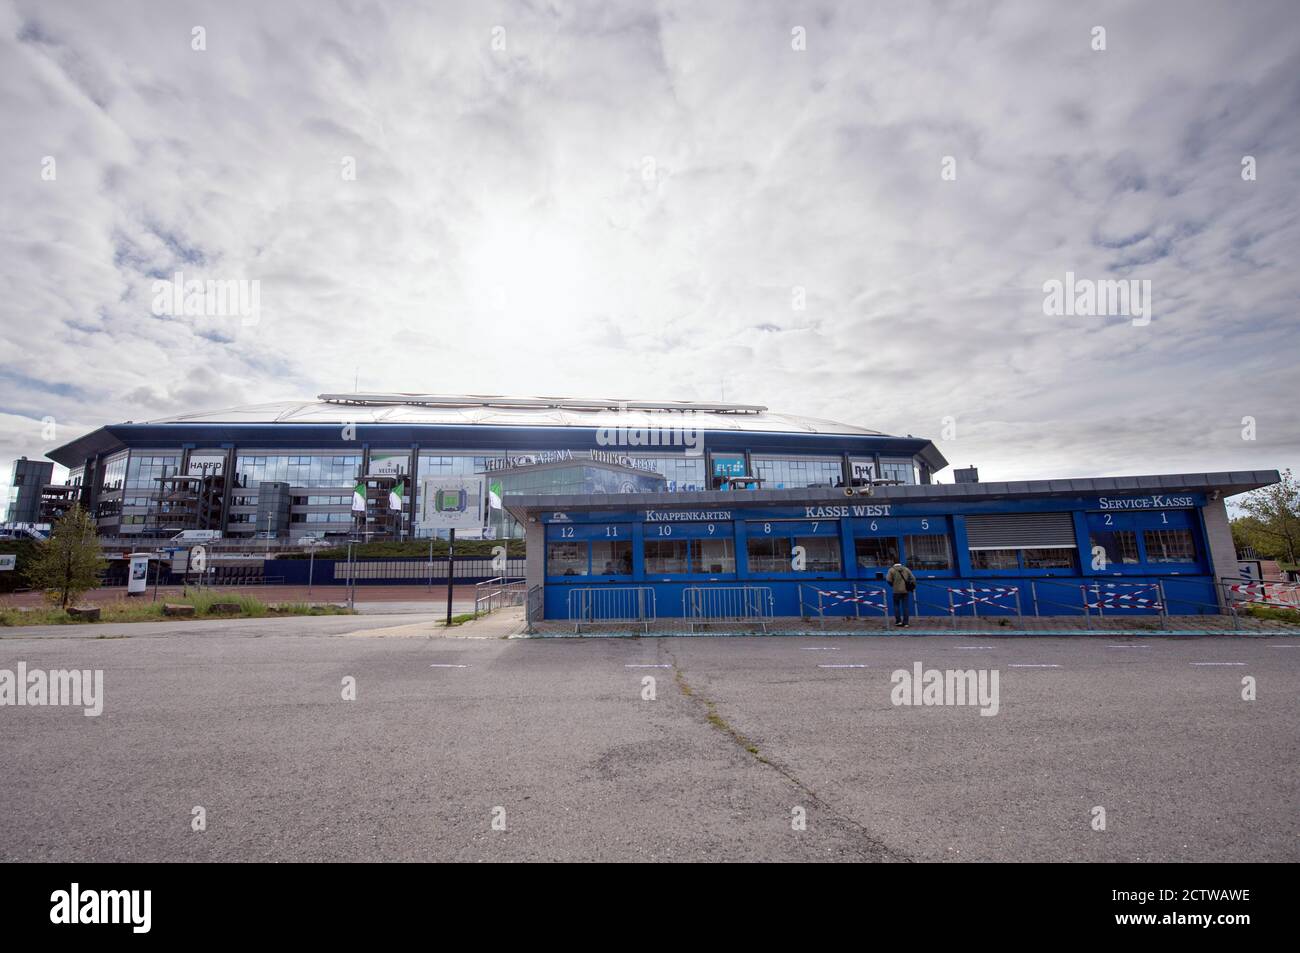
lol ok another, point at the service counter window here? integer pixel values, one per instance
(599, 549)
(1048, 557)
(566, 558)
(610, 557)
(1014, 559)
(1169, 546)
(919, 541)
(1118, 546)
(689, 548)
(1035, 543)
(713, 556)
(994, 559)
(667, 556)
(1162, 541)
(928, 553)
(793, 546)
(879, 552)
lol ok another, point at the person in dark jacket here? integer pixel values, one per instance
(902, 581)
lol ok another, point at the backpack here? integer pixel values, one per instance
(911, 580)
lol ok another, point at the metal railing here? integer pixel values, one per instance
(972, 596)
(707, 604)
(534, 608)
(813, 598)
(1274, 595)
(1125, 597)
(493, 594)
(617, 604)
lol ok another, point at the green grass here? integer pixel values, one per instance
(202, 600)
(1274, 613)
(459, 619)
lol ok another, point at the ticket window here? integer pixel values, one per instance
(793, 547)
(689, 549)
(598, 550)
(874, 555)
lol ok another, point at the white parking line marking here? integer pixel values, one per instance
(441, 665)
(1284, 646)
(630, 665)
(819, 648)
(1128, 646)
(974, 646)
(1218, 663)
(1032, 665)
(842, 666)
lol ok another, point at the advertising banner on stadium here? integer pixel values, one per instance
(454, 502)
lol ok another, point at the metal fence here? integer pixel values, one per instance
(707, 604)
(816, 601)
(534, 608)
(1277, 595)
(614, 604)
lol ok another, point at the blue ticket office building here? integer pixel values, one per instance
(1121, 545)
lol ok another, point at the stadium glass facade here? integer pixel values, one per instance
(208, 470)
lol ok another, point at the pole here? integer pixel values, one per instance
(431, 561)
(352, 578)
(311, 567)
(451, 566)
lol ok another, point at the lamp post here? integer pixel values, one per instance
(311, 561)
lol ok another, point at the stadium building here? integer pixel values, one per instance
(289, 470)
(665, 509)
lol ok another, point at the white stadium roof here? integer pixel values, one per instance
(492, 411)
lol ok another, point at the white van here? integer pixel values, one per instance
(196, 536)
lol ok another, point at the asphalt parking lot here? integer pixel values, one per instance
(555, 740)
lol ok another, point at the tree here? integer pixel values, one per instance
(69, 562)
(1272, 520)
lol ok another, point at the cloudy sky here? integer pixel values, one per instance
(847, 210)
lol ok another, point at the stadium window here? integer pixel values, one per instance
(902, 470)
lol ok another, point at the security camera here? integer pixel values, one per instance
(848, 491)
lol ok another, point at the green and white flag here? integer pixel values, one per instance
(359, 498)
(495, 493)
(395, 497)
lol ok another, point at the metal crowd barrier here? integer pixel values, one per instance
(612, 604)
(707, 604)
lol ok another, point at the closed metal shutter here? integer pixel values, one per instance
(1020, 531)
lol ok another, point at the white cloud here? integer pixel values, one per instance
(503, 233)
